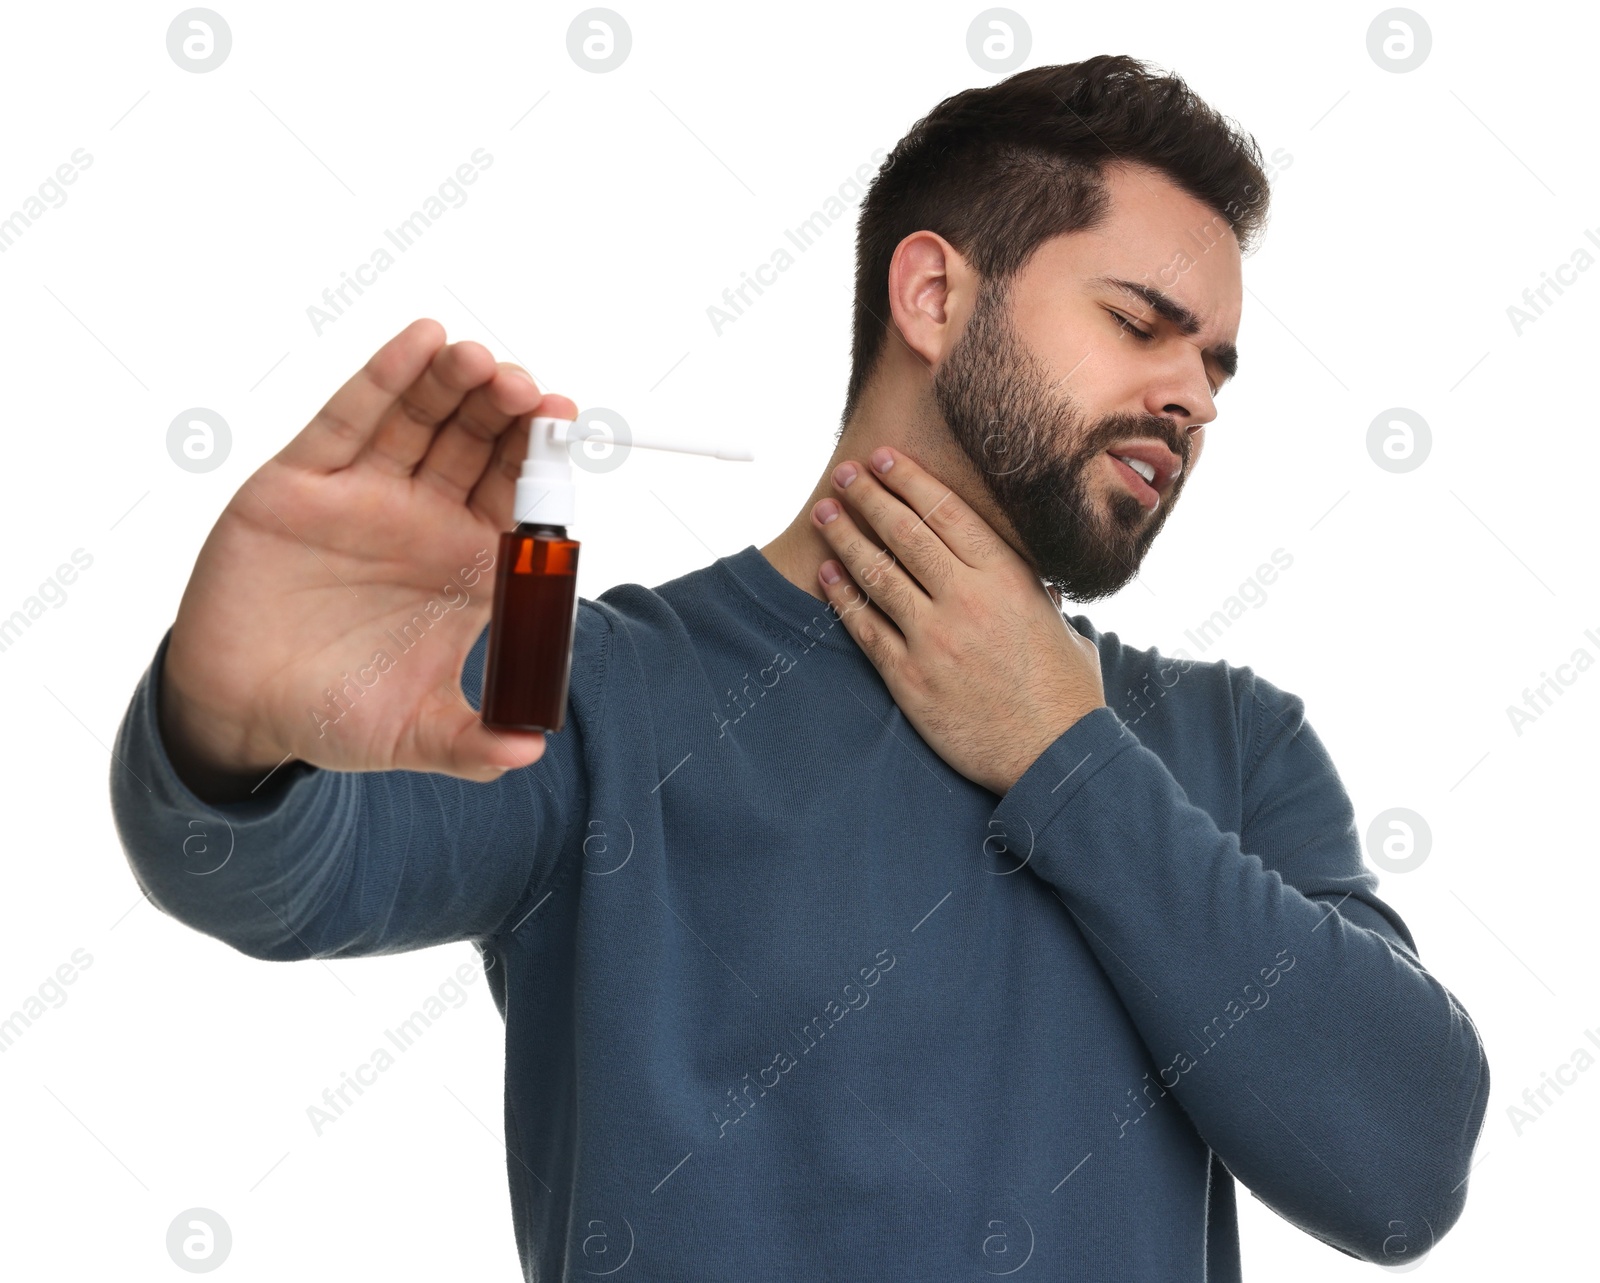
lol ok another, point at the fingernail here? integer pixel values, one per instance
(844, 474)
(830, 572)
(826, 511)
(882, 459)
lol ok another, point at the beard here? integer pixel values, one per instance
(1035, 452)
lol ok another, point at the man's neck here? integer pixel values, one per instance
(799, 551)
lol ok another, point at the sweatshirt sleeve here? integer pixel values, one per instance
(1350, 1087)
(331, 864)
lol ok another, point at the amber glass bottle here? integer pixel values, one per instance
(529, 661)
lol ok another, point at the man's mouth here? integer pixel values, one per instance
(1148, 468)
(1139, 466)
(1137, 476)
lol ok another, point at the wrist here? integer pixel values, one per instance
(1062, 721)
(216, 768)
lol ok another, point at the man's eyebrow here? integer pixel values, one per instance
(1168, 308)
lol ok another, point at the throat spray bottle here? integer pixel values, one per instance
(529, 661)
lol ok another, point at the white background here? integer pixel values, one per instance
(219, 206)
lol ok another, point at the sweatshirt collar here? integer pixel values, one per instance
(814, 619)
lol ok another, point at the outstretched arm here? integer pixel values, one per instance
(326, 864)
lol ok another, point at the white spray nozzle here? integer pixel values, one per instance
(545, 491)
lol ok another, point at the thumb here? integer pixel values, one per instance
(461, 745)
(482, 754)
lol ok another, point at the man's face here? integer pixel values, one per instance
(1046, 383)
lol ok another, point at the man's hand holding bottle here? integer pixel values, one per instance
(402, 480)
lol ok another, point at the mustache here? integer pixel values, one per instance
(1003, 451)
(1115, 429)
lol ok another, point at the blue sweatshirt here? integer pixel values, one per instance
(786, 997)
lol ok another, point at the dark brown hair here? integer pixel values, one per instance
(997, 171)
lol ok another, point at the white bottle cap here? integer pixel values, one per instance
(544, 490)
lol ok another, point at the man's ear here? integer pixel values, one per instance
(930, 289)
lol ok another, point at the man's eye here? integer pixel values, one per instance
(1129, 327)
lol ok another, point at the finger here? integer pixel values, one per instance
(872, 568)
(468, 749)
(495, 493)
(959, 528)
(463, 447)
(484, 754)
(340, 430)
(408, 426)
(916, 545)
(879, 638)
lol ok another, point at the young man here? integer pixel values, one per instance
(877, 925)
